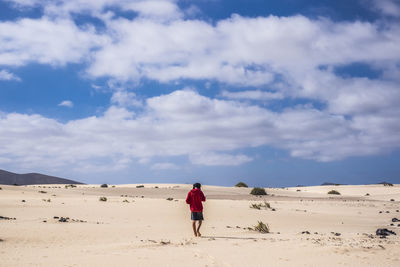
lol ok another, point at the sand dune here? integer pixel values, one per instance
(139, 227)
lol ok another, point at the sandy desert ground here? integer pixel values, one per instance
(140, 227)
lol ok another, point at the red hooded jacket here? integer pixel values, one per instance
(194, 199)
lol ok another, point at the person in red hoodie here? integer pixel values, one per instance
(194, 199)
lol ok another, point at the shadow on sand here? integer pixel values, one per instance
(234, 237)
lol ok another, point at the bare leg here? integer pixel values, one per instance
(194, 228)
(198, 228)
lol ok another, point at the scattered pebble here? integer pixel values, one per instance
(395, 220)
(305, 232)
(383, 232)
(62, 219)
(6, 218)
(170, 199)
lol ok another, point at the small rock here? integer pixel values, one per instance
(44, 221)
(391, 224)
(56, 217)
(337, 234)
(380, 211)
(305, 232)
(62, 219)
(273, 209)
(387, 211)
(395, 220)
(384, 232)
(392, 199)
(23, 200)
(170, 199)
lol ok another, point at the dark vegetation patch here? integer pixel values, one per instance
(334, 192)
(241, 184)
(258, 191)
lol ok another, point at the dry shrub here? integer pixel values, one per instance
(257, 191)
(261, 227)
(333, 192)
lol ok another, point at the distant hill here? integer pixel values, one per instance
(328, 183)
(10, 178)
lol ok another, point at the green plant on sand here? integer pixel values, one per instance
(258, 191)
(261, 227)
(241, 184)
(258, 206)
(333, 192)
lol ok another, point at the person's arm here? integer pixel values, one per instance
(203, 197)
(188, 198)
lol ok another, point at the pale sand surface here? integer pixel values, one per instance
(152, 231)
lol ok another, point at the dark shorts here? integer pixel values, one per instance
(197, 216)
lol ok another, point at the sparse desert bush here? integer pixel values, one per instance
(170, 199)
(103, 199)
(125, 200)
(43, 192)
(139, 186)
(333, 192)
(367, 194)
(1, 188)
(258, 206)
(241, 184)
(262, 227)
(70, 185)
(257, 191)
(104, 185)
(387, 184)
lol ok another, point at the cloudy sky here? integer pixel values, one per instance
(273, 93)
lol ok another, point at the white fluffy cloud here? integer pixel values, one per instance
(208, 131)
(218, 159)
(45, 41)
(66, 103)
(252, 95)
(387, 7)
(155, 9)
(8, 76)
(165, 166)
(283, 57)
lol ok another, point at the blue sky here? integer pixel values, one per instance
(273, 93)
